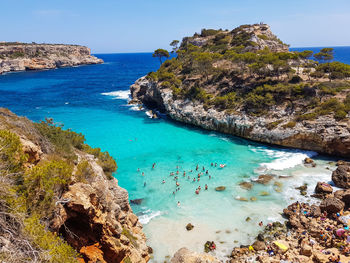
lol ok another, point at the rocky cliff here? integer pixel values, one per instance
(21, 56)
(250, 86)
(63, 184)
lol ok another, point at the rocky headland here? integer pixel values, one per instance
(23, 56)
(58, 200)
(246, 83)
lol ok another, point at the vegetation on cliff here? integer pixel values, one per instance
(31, 187)
(250, 70)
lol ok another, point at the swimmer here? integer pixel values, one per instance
(177, 172)
(199, 175)
(163, 182)
(144, 184)
(199, 188)
(260, 223)
(143, 174)
(190, 171)
(203, 168)
(171, 174)
(212, 164)
(222, 165)
(184, 174)
(178, 203)
(194, 179)
(197, 167)
(177, 184)
(198, 179)
(174, 193)
(138, 169)
(216, 164)
(197, 192)
(177, 167)
(206, 187)
(154, 165)
(207, 172)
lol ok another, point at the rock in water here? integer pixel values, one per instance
(246, 185)
(264, 178)
(341, 176)
(136, 201)
(189, 226)
(332, 205)
(220, 188)
(323, 188)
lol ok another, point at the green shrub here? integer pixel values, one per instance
(208, 32)
(274, 124)
(11, 153)
(106, 161)
(84, 172)
(264, 37)
(54, 248)
(290, 124)
(45, 183)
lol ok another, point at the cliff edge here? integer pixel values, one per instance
(246, 83)
(58, 199)
(22, 56)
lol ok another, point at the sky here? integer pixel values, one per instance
(122, 26)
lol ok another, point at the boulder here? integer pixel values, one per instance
(323, 188)
(308, 160)
(189, 226)
(332, 205)
(253, 199)
(315, 211)
(184, 255)
(264, 179)
(220, 188)
(341, 176)
(246, 185)
(258, 245)
(343, 195)
(305, 250)
(264, 193)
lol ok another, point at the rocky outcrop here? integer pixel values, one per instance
(324, 135)
(341, 176)
(323, 188)
(21, 56)
(332, 205)
(184, 255)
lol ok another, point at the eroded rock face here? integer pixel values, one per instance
(324, 135)
(323, 188)
(98, 222)
(332, 205)
(19, 57)
(341, 176)
(184, 255)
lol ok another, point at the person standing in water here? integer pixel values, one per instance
(154, 165)
(178, 203)
(143, 174)
(206, 187)
(144, 184)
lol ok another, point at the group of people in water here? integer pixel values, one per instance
(200, 171)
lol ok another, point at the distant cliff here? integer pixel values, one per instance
(22, 56)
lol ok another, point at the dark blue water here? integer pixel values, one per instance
(341, 54)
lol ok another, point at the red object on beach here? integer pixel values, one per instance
(340, 232)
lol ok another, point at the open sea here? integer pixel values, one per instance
(93, 100)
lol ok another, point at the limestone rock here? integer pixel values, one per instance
(43, 56)
(246, 185)
(332, 205)
(306, 250)
(220, 188)
(258, 245)
(264, 178)
(341, 176)
(184, 255)
(323, 188)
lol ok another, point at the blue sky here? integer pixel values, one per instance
(144, 25)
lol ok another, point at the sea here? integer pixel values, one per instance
(94, 99)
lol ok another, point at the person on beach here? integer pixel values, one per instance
(260, 223)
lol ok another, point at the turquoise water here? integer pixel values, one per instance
(93, 100)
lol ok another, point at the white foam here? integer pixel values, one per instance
(285, 158)
(145, 218)
(119, 94)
